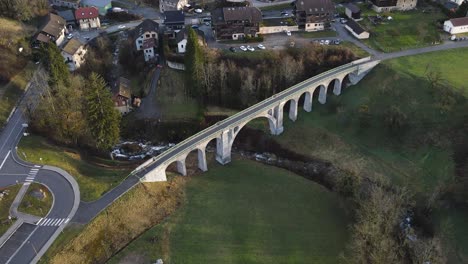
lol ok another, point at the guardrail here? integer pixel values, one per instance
(275, 97)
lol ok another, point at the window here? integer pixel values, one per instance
(140, 41)
(139, 47)
(182, 46)
(147, 35)
(153, 35)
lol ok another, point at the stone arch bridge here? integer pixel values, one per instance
(225, 131)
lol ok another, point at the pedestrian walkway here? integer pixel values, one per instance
(52, 221)
(32, 174)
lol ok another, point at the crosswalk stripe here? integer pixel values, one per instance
(46, 222)
(66, 221)
(34, 169)
(56, 222)
(37, 166)
(27, 183)
(29, 180)
(52, 222)
(61, 222)
(39, 222)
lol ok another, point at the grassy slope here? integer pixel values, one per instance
(36, 207)
(5, 204)
(172, 99)
(337, 137)
(247, 212)
(94, 180)
(410, 29)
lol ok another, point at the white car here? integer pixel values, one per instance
(243, 48)
(198, 11)
(288, 32)
(122, 26)
(327, 42)
(260, 46)
(250, 48)
(70, 36)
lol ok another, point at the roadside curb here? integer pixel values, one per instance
(4, 238)
(17, 201)
(76, 203)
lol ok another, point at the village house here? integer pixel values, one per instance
(102, 5)
(53, 30)
(390, 5)
(353, 12)
(181, 39)
(356, 30)
(69, 17)
(313, 15)
(236, 22)
(88, 18)
(170, 5)
(66, 3)
(456, 25)
(146, 38)
(278, 25)
(174, 20)
(122, 96)
(74, 52)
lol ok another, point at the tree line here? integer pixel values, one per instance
(23, 10)
(75, 110)
(237, 81)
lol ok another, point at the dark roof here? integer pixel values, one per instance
(182, 34)
(42, 38)
(124, 87)
(146, 25)
(355, 26)
(148, 43)
(353, 8)
(67, 15)
(55, 24)
(173, 17)
(86, 13)
(461, 21)
(251, 14)
(72, 46)
(315, 6)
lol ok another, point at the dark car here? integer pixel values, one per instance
(232, 49)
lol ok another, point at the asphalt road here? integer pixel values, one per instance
(30, 238)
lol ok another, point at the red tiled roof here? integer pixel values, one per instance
(86, 13)
(461, 21)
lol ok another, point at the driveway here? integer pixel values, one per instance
(149, 108)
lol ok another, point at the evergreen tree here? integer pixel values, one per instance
(462, 10)
(103, 119)
(194, 62)
(55, 64)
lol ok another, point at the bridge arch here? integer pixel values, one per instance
(307, 102)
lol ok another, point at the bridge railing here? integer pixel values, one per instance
(275, 97)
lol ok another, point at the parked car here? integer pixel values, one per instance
(250, 48)
(194, 26)
(233, 49)
(87, 38)
(288, 32)
(284, 14)
(122, 26)
(207, 23)
(322, 42)
(198, 10)
(337, 42)
(327, 42)
(343, 20)
(260, 46)
(70, 36)
(243, 48)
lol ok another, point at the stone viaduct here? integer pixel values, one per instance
(271, 108)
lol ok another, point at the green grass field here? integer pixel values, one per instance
(421, 160)
(95, 176)
(5, 205)
(33, 206)
(175, 104)
(410, 29)
(247, 212)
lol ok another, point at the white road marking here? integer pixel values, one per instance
(46, 222)
(27, 183)
(61, 221)
(66, 221)
(8, 154)
(39, 222)
(37, 166)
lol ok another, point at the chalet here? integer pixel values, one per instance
(121, 96)
(88, 18)
(313, 15)
(146, 38)
(174, 20)
(171, 5)
(353, 12)
(53, 30)
(69, 17)
(74, 52)
(66, 3)
(356, 30)
(181, 39)
(390, 5)
(456, 25)
(236, 22)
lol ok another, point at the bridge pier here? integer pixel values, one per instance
(293, 110)
(278, 114)
(337, 87)
(202, 160)
(223, 147)
(308, 102)
(181, 167)
(323, 94)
